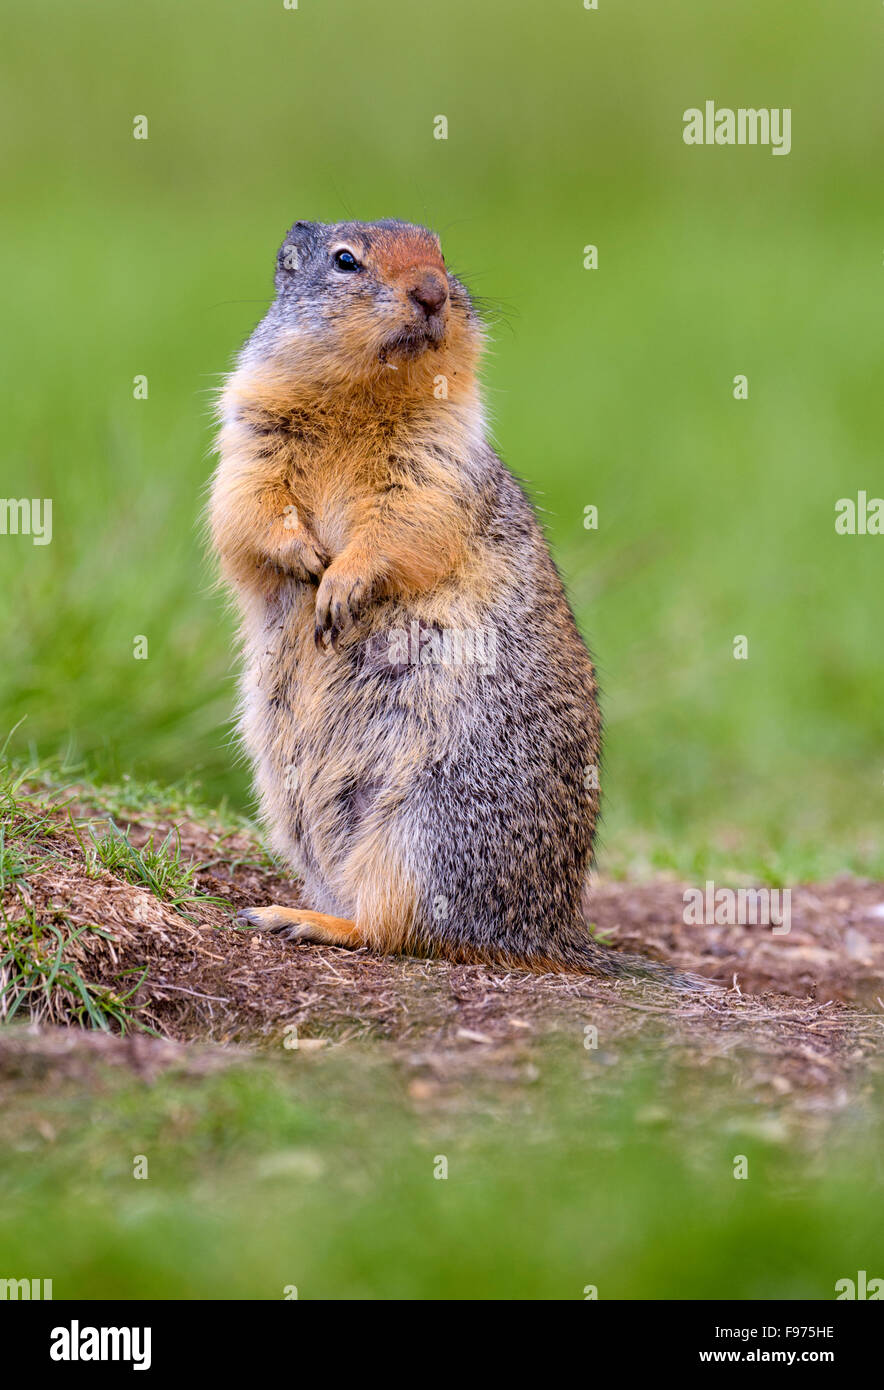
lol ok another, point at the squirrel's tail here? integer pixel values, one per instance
(584, 956)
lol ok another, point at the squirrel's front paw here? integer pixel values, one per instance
(304, 557)
(339, 602)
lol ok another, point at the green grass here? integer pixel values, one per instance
(313, 1172)
(611, 387)
(40, 982)
(41, 977)
(36, 804)
(161, 868)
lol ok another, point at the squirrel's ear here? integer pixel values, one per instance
(299, 242)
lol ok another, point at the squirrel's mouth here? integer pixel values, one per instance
(413, 339)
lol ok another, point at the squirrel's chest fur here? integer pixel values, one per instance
(329, 474)
(332, 732)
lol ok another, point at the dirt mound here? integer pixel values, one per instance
(798, 1015)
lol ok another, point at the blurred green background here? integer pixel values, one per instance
(316, 1172)
(611, 387)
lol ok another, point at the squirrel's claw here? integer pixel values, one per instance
(339, 601)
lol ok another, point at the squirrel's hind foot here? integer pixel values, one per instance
(298, 924)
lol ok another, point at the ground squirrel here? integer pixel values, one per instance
(420, 708)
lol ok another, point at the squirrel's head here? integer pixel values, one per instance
(356, 299)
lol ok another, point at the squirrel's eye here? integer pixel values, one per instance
(345, 260)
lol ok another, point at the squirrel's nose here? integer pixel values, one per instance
(429, 292)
